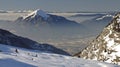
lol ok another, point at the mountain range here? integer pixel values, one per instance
(41, 18)
(26, 52)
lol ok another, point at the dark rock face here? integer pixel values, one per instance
(106, 47)
(8, 38)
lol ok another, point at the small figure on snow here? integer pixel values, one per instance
(16, 51)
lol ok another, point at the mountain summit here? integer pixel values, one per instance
(37, 13)
(106, 47)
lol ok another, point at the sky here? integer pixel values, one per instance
(61, 5)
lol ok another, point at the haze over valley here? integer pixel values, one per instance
(71, 39)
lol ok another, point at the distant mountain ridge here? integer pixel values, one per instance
(39, 17)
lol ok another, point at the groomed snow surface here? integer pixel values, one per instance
(19, 57)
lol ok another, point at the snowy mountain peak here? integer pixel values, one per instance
(106, 47)
(41, 18)
(38, 12)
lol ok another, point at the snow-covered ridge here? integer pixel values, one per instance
(38, 12)
(106, 47)
(101, 18)
(19, 57)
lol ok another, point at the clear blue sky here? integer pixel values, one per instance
(61, 5)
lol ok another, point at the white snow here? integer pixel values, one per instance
(101, 18)
(118, 20)
(109, 41)
(38, 12)
(32, 58)
(112, 45)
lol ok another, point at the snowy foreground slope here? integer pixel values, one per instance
(10, 57)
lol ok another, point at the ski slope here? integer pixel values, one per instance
(9, 57)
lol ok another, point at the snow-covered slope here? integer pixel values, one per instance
(106, 47)
(19, 57)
